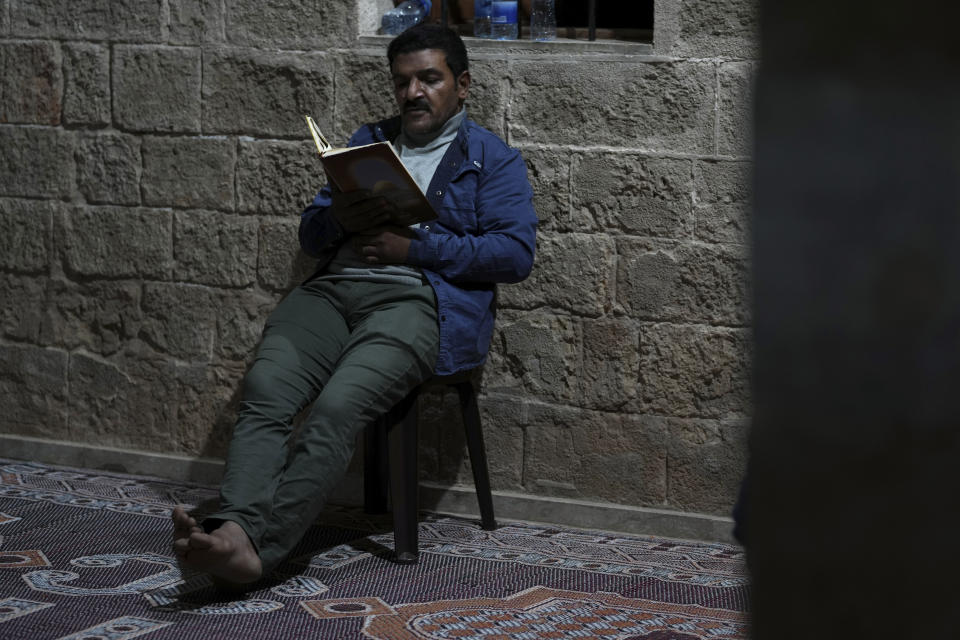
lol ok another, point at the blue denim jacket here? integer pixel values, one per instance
(485, 233)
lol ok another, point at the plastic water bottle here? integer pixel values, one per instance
(543, 20)
(503, 20)
(482, 10)
(404, 16)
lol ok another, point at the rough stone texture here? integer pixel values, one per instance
(25, 235)
(593, 455)
(709, 28)
(117, 20)
(115, 242)
(573, 272)
(179, 320)
(33, 391)
(206, 408)
(4, 17)
(189, 172)
(364, 94)
(277, 178)
(156, 88)
(610, 363)
(240, 320)
(36, 162)
(281, 264)
(538, 352)
(31, 83)
(196, 21)
(290, 24)
(488, 96)
(667, 106)
(694, 371)
(549, 175)
(705, 464)
(634, 194)
(215, 248)
(102, 317)
(723, 201)
(23, 308)
(108, 168)
(86, 84)
(735, 125)
(267, 94)
(664, 280)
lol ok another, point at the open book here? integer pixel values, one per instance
(376, 168)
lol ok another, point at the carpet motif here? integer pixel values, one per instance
(87, 555)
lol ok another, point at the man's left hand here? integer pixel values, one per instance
(384, 245)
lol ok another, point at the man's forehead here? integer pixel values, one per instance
(421, 60)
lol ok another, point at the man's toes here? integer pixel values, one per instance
(200, 541)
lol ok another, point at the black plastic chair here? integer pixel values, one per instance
(390, 463)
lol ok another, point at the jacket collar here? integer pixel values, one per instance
(389, 129)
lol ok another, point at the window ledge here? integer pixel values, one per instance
(529, 48)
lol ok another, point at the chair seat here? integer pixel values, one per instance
(390, 462)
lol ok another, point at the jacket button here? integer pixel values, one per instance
(439, 193)
(426, 227)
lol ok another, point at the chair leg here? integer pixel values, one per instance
(478, 455)
(404, 483)
(375, 478)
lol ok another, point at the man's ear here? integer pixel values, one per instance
(463, 85)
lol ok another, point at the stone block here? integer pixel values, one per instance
(444, 447)
(718, 28)
(197, 21)
(241, 316)
(266, 94)
(667, 106)
(666, 280)
(180, 320)
(536, 353)
(549, 174)
(706, 463)
(189, 172)
(590, 455)
(281, 264)
(214, 248)
(31, 83)
(156, 88)
(573, 271)
(113, 242)
(277, 178)
(25, 239)
(634, 194)
(99, 316)
(735, 123)
(86, 84)
(364, 92)
(694, 370)
(36, 162)
(33, 391)
(206, 400)
(609, 374)
(23, 308)
(488, 96)
(108, 168)
(723, 197)
(117, 20)
(290, 24)
(4, 17)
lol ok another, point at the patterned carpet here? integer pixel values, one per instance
(84, 555)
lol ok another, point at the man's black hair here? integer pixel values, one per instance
(431, 36)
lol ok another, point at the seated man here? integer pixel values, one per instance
(389, 307)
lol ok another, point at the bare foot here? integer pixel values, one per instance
(226, 553)
(183, 526)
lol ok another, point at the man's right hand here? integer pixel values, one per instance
(360, 210)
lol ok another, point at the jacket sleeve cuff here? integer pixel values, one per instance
(424, 248)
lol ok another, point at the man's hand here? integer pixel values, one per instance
(384, 245)
(361, 210)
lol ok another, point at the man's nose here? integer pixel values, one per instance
(414, 89)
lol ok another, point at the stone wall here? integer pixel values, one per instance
(153, 160)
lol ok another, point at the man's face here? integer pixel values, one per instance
(426, 91)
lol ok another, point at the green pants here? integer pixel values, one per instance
(354, 349)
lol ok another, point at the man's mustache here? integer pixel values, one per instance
(416, 104)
